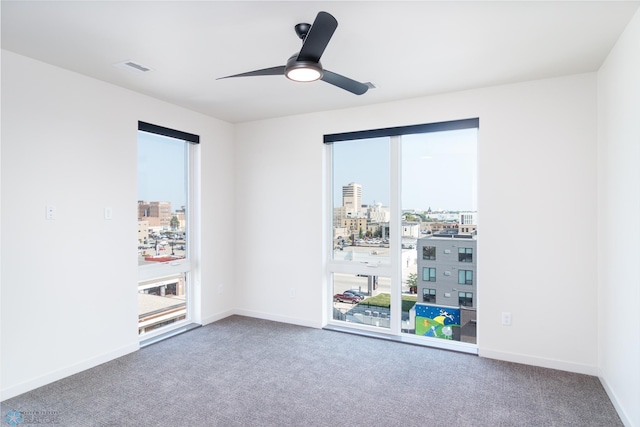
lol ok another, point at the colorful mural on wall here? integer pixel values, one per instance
(437, 321)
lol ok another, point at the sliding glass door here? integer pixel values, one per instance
(403, 234)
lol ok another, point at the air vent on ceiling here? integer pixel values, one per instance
(133, 66)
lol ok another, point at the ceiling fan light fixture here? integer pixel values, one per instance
(304, 74)
(303, 71)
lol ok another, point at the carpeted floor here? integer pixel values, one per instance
(248, 372)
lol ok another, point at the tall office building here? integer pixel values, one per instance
(352, 196)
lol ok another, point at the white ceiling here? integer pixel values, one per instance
(407, 49)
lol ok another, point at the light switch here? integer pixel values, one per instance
(506, 318)
(50, 213)
(108, 213)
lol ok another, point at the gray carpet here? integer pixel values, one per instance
(242, 371)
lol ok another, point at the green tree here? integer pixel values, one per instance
(175, 223)
(412, 281)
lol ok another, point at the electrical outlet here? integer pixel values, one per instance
(292, 292)
(108, 213)
(506, 318)
(220, 288)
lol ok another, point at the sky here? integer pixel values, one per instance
(439, 170)
(162, 169)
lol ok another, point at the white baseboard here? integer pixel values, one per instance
(539, 361)
(281, 319)
(18, 389)
(614, 400)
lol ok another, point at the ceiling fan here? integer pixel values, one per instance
(305, 66)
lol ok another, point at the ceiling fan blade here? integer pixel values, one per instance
(344, 82)
(273, 71)
(318, 37)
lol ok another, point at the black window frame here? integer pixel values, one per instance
(466, 300)
(429, 295)
(430, 276)
(467, 281)
(466, 256)
(432, 256)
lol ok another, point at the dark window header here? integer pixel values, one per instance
(403, 130)
(172, 133)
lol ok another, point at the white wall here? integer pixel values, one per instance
(537, 166)
(69, 286)
(618, 242)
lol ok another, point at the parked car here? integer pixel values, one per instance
(358, 293)
(347, 297)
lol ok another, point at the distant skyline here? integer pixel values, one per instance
(162, 169)
(439, 170)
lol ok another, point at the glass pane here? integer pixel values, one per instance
(362, 299)
(361, 201)
(161, 302)
(439, 200)
(162, 198)
(162, 231)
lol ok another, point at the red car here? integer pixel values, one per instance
(347, 297)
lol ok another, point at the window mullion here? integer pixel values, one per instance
(395, 226)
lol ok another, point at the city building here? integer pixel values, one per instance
(143, 232)
(439, 227)
(378, 213)
(355, 225)
(352, 196)
(447, 278)
(467, 218)
(157, 214)
(447, 271)
(411, 230)
(341, 212)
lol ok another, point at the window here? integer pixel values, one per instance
(382, 230)
(465, 254)
(166, 186)
(465, 299)
(429, 274)
(429, 252)
(429, 295)
(465, 277)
